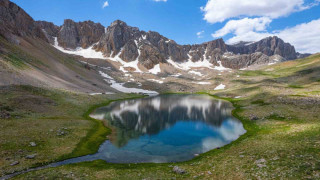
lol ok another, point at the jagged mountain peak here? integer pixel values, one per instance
(133, 45)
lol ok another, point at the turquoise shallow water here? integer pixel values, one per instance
(166, 128)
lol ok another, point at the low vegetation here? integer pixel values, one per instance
(278, 105)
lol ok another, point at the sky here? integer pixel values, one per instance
(196, 21)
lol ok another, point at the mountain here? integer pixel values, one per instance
(14, 22)
(127, 44)
(150, 48)
(27, 57)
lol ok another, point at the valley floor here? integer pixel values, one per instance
(278, 104)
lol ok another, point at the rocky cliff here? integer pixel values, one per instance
(82, 34)
(269, 46)
(14, 22)
(131, 44)
(151, 48)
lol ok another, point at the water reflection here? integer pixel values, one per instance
(166, 128)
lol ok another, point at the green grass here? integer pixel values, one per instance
(295, 86)
(15, 61)
(286, 135)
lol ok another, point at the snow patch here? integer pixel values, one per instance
(155, 70)
(196, 73)
(220, 87)
(86, 53)
(94, 94)
(157, 81)
(120, 86)
(202, 83)
(176, 75)
(187, 65)
(220, 67)
(132, 64)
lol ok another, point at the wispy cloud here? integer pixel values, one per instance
(105, 4)
(221, 10)
(200, 34)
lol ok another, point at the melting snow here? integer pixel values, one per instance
(202, 83)
(220, 67)
(155, 70)
(155, 80)
(220, 87)
(176, 75)
(196, 73)
(93, 94)
(121, 88)
(132, 64)
(86, 53)
(187, 65)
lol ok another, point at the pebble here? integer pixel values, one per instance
(33, 144)
(178, 170)
(32, 156)
(14, 163)
(261, 163)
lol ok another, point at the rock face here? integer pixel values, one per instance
(14, 21)
(151, 48)
(148, 48)
(82, 34)
(269, 46)
(50, 30)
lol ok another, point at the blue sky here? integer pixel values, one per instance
(181, 20)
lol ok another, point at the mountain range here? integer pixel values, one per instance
(148, 48)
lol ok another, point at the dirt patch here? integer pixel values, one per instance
(33, 103)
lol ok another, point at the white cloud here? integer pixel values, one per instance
(200, 34)
(105, 4)
(243, 26)
(160, 0)
(221, 10)
(305, 37)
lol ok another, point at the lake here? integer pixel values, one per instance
(165, 128)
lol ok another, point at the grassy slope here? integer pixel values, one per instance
(284, 98)
(37, 116)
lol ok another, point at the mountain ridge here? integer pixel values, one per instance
(131, 44)
(155, 48)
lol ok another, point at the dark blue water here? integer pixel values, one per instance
(166, 128)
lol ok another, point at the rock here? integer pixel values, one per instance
(14, 163)
(153, 47)
(4, 114)
(269, 46)
(261, 163)
(14, 21)
(50, 30)
(253, 118)
(33, 144)
(178, 170)
(209, 172)
(196, 155)
(32, 156)
(82, 34)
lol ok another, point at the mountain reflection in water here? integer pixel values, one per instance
(131, 119)
(166, 128)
